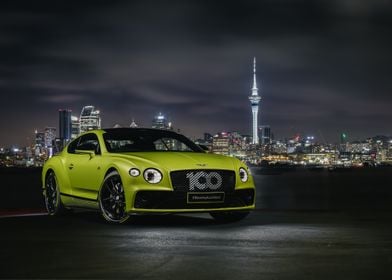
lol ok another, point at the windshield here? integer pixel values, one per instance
(147, 140)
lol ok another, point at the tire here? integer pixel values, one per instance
(53, 203)
(229, 217)
(112, 199)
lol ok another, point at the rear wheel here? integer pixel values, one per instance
(229, 217)
(53, 203)
(112, 199)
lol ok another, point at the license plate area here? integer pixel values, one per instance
(205, 197)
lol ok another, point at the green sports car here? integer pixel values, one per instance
(127, 171)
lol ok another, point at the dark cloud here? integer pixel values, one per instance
(323, 66)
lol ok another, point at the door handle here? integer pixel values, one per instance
(71, 166)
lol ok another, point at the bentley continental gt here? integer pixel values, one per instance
(126, 171)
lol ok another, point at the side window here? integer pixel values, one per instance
(72, 146)
(88, 142)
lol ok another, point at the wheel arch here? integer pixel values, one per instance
(120, 166)
(45, 175)
(50, 169)
(110, 170)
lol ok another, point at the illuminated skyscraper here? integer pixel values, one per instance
(221, 143)
(265, 131)
(161, 122)
(89, 119)
(75, 127)
(65, 125)
(50, 136)
(39, 139)
(39, 143)
(254, 100)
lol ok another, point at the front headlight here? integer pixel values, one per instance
(153, 176)
(243, 175)
(134, 172)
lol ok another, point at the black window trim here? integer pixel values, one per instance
(77, 141)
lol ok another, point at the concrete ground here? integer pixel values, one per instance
(266, 245)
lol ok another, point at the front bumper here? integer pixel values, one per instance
(153, 201)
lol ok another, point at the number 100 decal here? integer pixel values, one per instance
(204, 181)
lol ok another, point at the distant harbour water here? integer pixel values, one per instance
(324, 189)
(298, 189)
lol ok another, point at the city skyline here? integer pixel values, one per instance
(161, 121)
(323, 65)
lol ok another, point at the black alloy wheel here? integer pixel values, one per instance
(112, 199)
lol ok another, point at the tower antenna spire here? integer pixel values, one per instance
(254, 101)
(254, 87)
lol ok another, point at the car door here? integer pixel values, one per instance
(84, 166)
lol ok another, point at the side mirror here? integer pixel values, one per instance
(86, 152)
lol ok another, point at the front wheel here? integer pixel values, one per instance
(112, 199)
(230, 216)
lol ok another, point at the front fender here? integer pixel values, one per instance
(132, 184)
(57, 165)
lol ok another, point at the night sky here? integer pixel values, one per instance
(323, 66)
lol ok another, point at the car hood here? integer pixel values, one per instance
(182, 160)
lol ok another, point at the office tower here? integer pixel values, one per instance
(265, 134)
(75, 127)
(50, 135)
(65, 124)
(89, 119)
(161, 122)
(221, 143)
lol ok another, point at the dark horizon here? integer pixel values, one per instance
(323, 67)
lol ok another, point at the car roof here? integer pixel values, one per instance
(128, 130)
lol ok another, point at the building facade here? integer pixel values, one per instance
(160, 122)
(75, 127)
(221, 143)
(50, 136)
(65, 124)
(265, 134)
(90, 119)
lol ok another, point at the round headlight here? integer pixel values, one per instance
(243, 175)
(153, 176)
(134, 172)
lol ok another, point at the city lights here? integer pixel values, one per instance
(259, 148)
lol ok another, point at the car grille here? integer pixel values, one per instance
(178, 200)
(203, 180)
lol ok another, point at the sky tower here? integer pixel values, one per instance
(254, 101)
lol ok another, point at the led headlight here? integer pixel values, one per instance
(134, 172)
(243, 175)
(153, 176)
